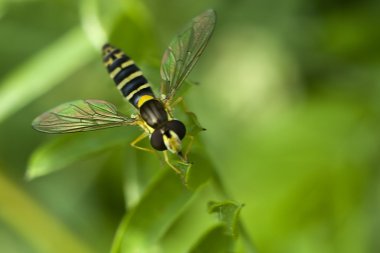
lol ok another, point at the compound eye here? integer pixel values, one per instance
(178, 127)
(157, 141)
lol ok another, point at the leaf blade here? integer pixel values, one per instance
(142, 227)
(32, 79)
(228, 213)
(215, 240)
(61, 152)
(221, 238)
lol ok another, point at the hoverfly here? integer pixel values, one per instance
(154, 114)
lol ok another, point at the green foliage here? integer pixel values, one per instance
(68, 150)
(215, 240)
(22, 85)
(165, 198)
(228, 214)
(162, 202)
(288, 92)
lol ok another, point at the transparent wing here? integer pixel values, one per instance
(79, 116)
(184, 51)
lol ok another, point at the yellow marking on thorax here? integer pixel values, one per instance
(144, 99)
(137, 90)
(128, 79)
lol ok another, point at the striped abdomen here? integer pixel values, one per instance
(128, 77)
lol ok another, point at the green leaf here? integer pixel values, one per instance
(221, 238)
(228, 213)
(91, 22)
(44, 71)
(142, 227)
(216, 241)
(201, 170)
(62, 151)
(29, 220)
(133, 31)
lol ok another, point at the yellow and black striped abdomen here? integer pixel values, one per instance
(127, 76)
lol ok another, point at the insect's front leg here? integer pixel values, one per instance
(181, 103)
(169, 105)
(191, 116)
(166, 158)
(192, 119)
(177, 101)
(140, 138)
(188, 147)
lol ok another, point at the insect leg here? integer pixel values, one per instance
(177, 101)
(188, 148)
(181, 101)
(140, 138)
(170, 164)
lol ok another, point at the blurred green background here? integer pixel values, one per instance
(288, 91)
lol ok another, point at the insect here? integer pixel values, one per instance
(154, 113)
